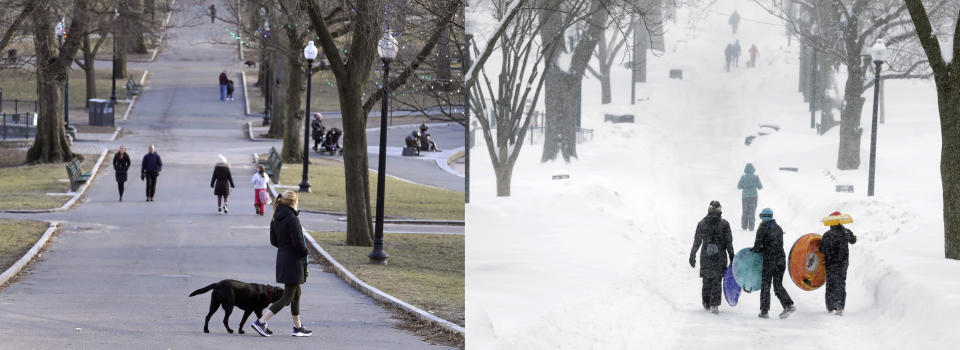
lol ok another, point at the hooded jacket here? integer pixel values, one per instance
(835, 246)
(712, 238)
(769, 243)
(749, 182)
(287, 235)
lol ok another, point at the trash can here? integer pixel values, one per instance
(101, 113)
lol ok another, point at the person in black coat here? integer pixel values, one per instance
(221, 178)
(836, 251)
(121, 163)
(769, 243)
(712, 238)
(317, 126)
(287, 235)
(149, 170)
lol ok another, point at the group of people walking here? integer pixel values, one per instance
(150, 168)
(732, 52)
(714, 240)
(226, 87)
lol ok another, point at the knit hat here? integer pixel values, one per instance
(836, 213)
(714, 208)
(221, 159)
(766, 214)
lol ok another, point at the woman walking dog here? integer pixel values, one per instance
(287, 235)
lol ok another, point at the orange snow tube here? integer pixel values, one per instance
(807, 268)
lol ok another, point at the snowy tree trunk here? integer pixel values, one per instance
(850, 130)
(950, 165)
(560, 134)
(605, 96)
(504, 173)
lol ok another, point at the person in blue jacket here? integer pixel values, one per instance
(749, 183)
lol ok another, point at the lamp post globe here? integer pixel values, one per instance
(387, 49)
(879, 54)
(309, 53)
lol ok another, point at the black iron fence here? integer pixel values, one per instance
(18, 126)
(16, 106)
(537, 135)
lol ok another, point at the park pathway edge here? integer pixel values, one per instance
(18, 266)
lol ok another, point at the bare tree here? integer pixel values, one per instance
(607, 52)
(946, 75)
(844, 29)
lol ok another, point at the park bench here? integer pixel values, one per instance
(133, 88)
(272, 165)
(76, 174)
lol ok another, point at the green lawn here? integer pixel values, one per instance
(16, 238)
(26, 186)
(425, 270)
(403, 198)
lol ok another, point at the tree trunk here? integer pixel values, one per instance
(504, 173)
(132, 25)
(355, 164)
(294, 120)
(950, 165)
(89, 71)
(605, 97)
(850, 130)
(560, 101)
(277, 94)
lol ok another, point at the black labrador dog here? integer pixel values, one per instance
(249, 297)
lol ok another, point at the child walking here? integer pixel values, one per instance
(260, 196)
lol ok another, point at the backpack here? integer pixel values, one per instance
(715, 241)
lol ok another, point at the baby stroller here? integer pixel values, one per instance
(331, 143)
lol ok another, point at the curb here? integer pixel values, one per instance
(162, 35)
(379, 295)
(246, 101)
(115, 133)
(134, 99)
(445, 163)
(14, 269)
(72, 201)
(254, 138)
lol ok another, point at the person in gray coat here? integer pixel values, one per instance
(712, 238)
(749, 183)
(287, 235)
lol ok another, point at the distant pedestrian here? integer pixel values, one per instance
(769, 243)
(734, 21)
(213, 13)
(221, 178)
(753, 55)
(736, 54)
(223, 85)
(260, 196)
(287, 235)
(836, 253)
(728, 55)
(121, 163)
(713, 239)
(149, 170)
(230, 89)
(749, 183)
(318, 130)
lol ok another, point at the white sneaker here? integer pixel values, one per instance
(225, 210)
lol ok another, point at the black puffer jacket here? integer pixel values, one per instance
(222, 180)
(287, 235)
(769, 243)
(835, 248)
(712, 238)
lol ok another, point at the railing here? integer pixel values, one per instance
(15, 126)
(537, 135)
(18, 106)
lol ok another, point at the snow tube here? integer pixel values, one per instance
(747, 267)
(807, 268)
(731, 290)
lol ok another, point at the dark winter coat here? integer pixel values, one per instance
(712, 238)
(223, 79)
(121, 163)
(287, 235)
(151, 163)
(318, 129)
(221, 178)
(769, 243)
(834, 246)
(230, 87)
(749, 182)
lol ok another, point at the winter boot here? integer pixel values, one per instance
(839, 312)
(763, 314)
(714, 310)
(786, 312)
(225, 210)
(219, 210)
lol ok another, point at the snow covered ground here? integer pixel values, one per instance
(599, 261)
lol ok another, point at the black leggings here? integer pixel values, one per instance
(291, 296)
(120, 187)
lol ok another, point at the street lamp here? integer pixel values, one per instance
(879, 53)
(388, 51)
(113, 77)
(310, 53)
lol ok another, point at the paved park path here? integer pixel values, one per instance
(118, 274)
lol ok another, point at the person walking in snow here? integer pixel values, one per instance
(713, 239)
(769, 243)
(753, 56)
(734, 21)
(728, 55)
(221, 178)
(736, 54)
(213, 13)
(749, 183)
(836, 251)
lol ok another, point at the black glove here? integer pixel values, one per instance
(693, 261)
(754, 249)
